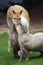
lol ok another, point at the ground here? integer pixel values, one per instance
(8, 59)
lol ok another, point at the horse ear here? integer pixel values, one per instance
(14, 12)
(21, 11)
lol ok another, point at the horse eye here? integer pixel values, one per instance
(14, 18)
(19, 18)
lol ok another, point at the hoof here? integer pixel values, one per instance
(27, 59)
(20, 59)
(16, 58)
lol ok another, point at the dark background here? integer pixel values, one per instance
(34, 7)
(28, 4)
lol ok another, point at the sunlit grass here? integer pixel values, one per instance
(7, 58)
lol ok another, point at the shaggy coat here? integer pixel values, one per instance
(16, 14)
(29, 42)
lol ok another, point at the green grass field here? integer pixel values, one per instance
(7, 58)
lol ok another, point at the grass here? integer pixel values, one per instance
(7, 58)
